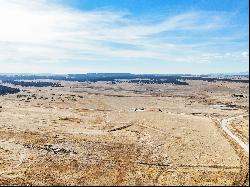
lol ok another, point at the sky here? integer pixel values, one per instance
(132, 36)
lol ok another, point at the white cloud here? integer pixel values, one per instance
(245, 54)
(39, 32)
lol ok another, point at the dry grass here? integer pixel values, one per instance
(75, 137)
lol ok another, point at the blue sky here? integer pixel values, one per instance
(136, 36)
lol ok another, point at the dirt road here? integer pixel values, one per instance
(224, 124)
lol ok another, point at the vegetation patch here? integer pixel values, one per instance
(4, 90)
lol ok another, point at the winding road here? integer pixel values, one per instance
(224, 123)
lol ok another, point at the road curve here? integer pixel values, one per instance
(224, 124)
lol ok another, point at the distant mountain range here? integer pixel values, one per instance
(244, 73)
(126, 74)
(236, 73)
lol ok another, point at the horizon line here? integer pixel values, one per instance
(221, 73)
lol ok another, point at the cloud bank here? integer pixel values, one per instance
(42, 36)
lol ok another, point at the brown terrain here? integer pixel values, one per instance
(124, 134)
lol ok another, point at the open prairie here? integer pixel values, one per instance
(124, 134)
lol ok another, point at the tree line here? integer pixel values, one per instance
(4, 90)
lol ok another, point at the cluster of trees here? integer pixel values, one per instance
(115, 77)
(32, 84)
(4, 90)
(133, 78)
(210, 79)
(158, 81)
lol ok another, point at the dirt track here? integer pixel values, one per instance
(225, 123)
